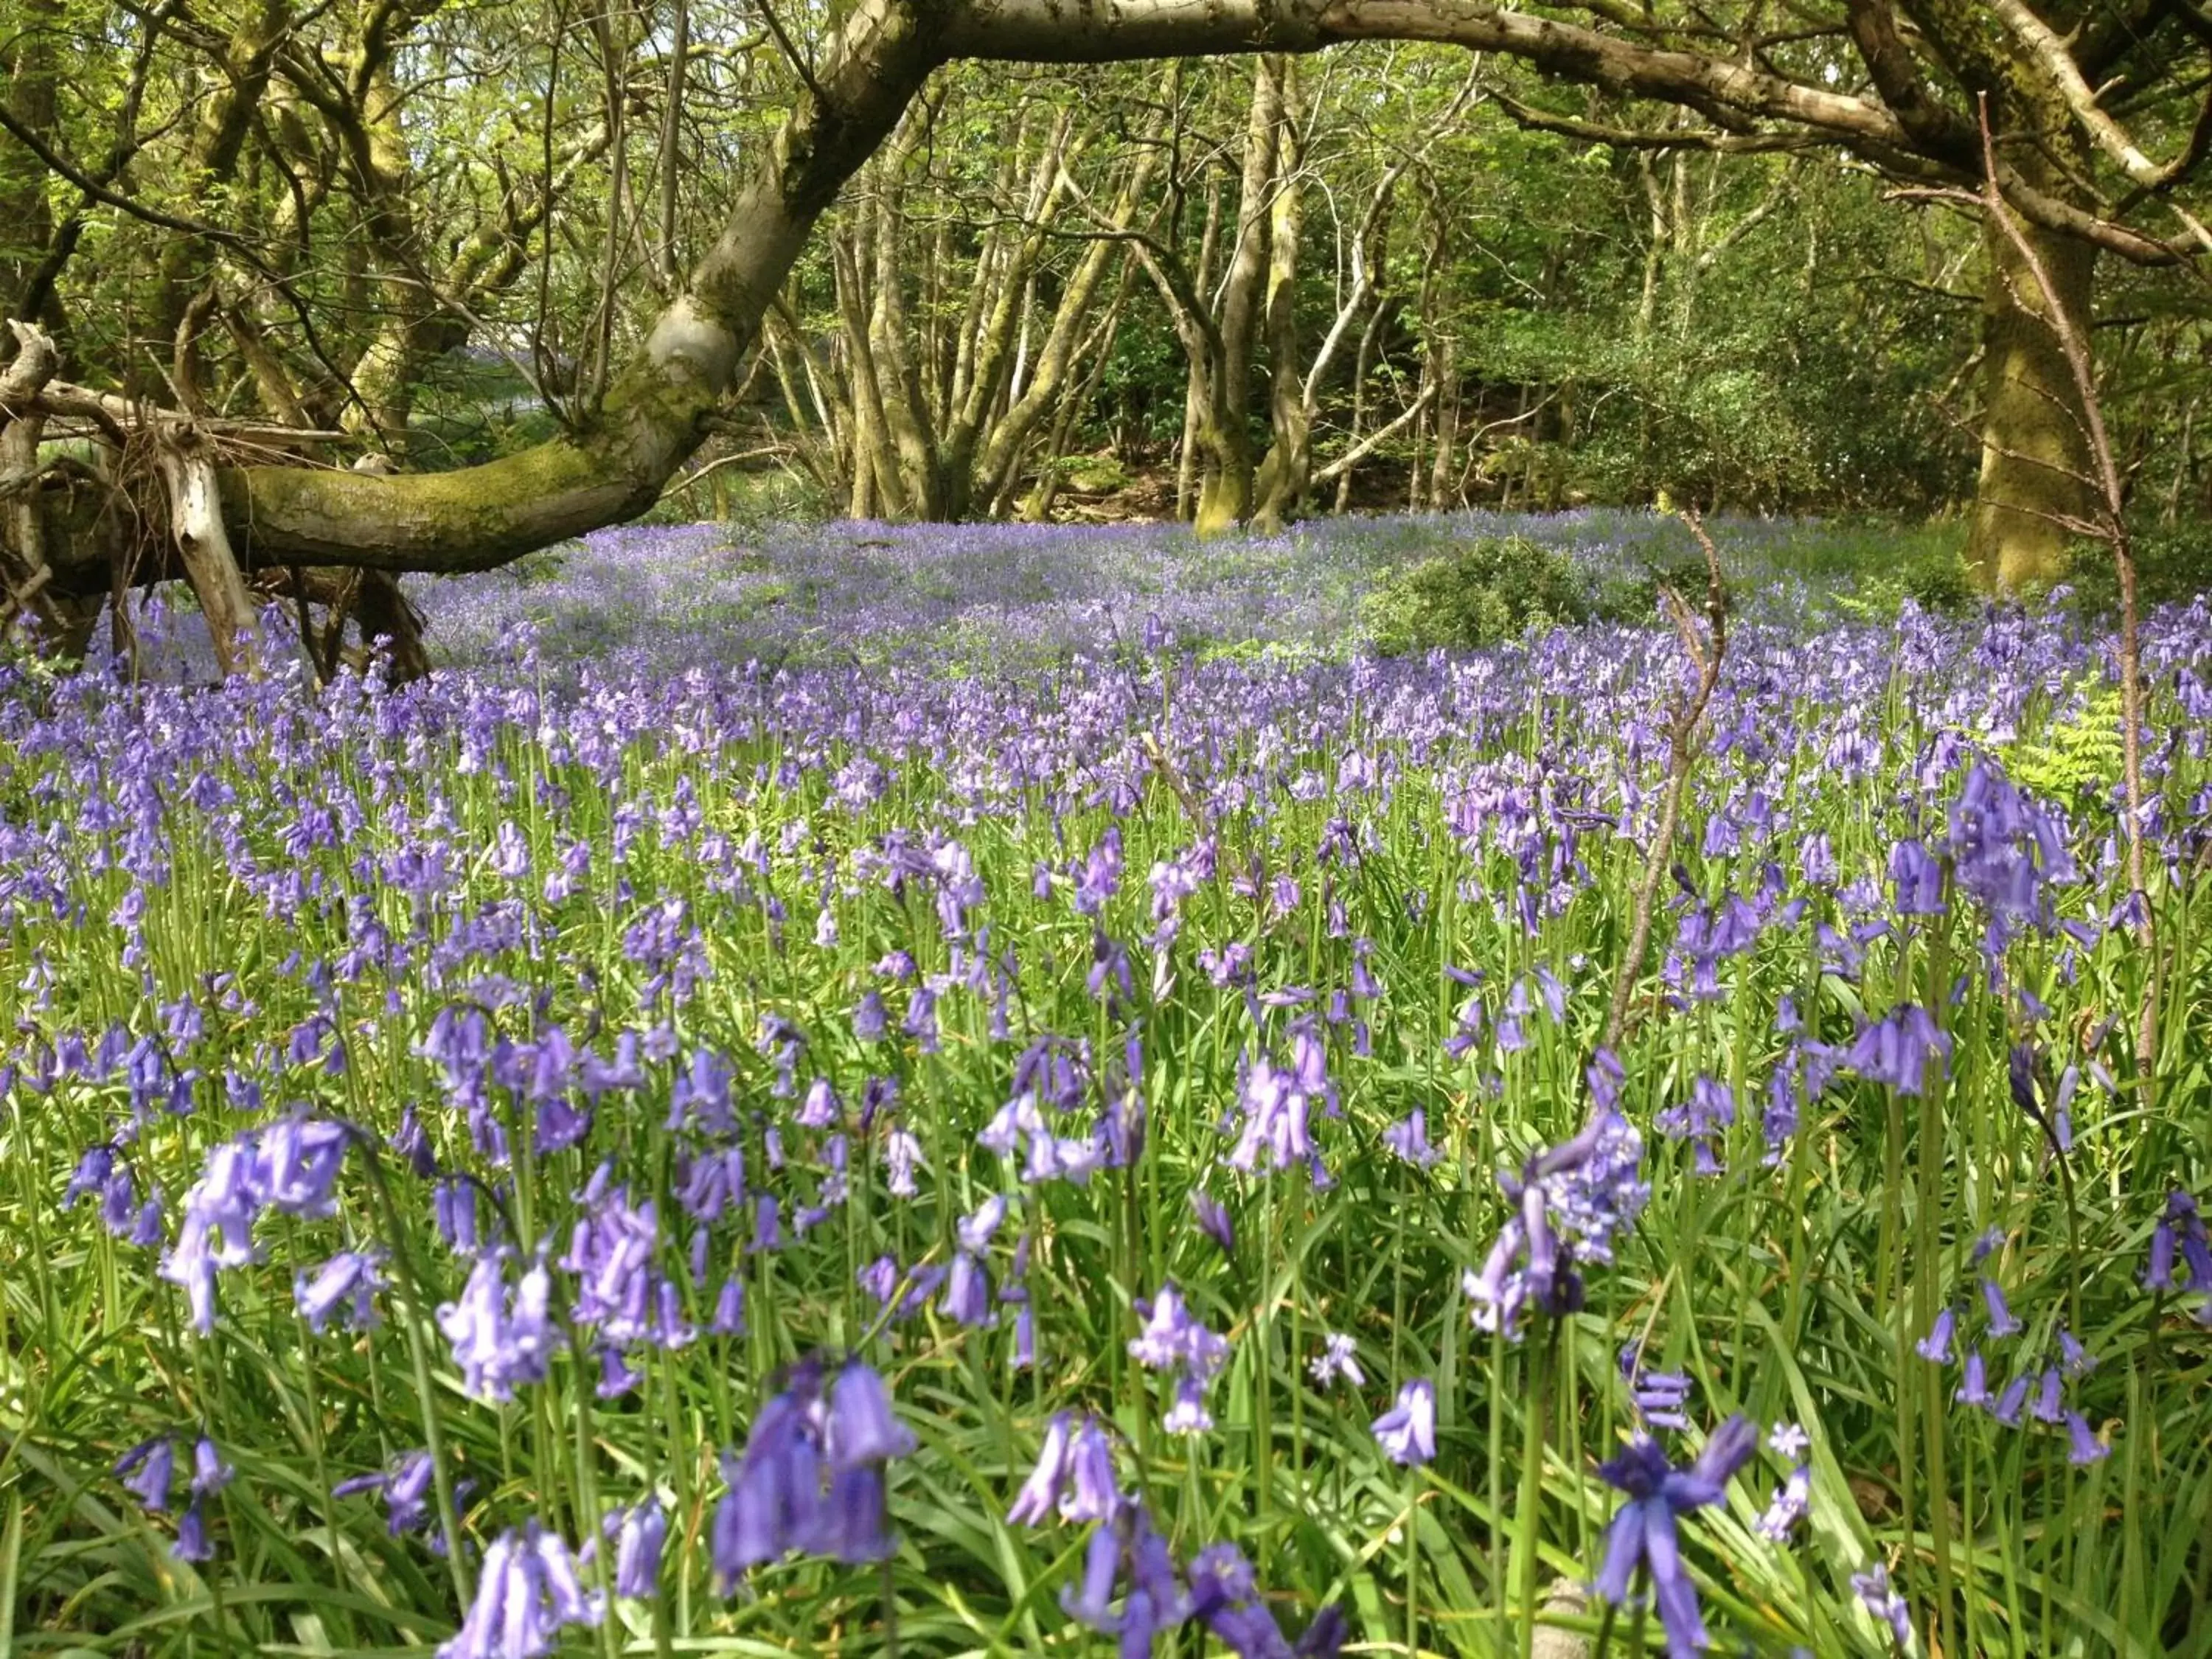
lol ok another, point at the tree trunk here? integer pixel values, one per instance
(1280, 486)
(1224, 495)
(2035, 459)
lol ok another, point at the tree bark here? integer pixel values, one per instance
(1280, 488)
(196, 520)
(2035, 456)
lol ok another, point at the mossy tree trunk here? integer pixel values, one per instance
(2035, 455)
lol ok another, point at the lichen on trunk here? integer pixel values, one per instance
(2035, 473)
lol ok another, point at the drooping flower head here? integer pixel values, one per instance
(1569, 1203)
(1407, 1431)
(1645, 1535)
(527, 1592)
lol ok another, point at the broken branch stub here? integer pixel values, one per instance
(187, 466)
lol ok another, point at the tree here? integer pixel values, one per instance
(2076, 105)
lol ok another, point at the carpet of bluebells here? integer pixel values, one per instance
(1009, 1091)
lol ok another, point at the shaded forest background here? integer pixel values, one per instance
(1392, 275)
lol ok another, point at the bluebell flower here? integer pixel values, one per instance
(210, 1474)
(1409, 1139)
(967, 1293)
(1895, 1050)
(1569, 1202)
(852, 1524)
(148, 1470)
(638, 1531)
(1935, 1346)
(1875, 1593)
(2001, 1321)
(1643, 1532)
(527, 1592)
(863, 1428)
(1974, 1387)
(501, 1339)
(775, 1490)
(192, 1544)
(1213, 1220)
(1917, 878)
(1339, 1357)
(975, 1231)
(1660, 1397)
(1407, 1431)
(2007, 1409)
(2083, 1447)
(1093, 1492)
(349, 1278)
(1048, 1481)
(404, 1487)
(729, 1316)
(1792, 1502)
(1709, 1112)
(2047, 1407)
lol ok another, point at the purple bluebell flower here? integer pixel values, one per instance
(1339, 1357)
(1788, 1440)
(501, 1339)
(1643, 1532)
(1918, 877)
(729, 1316)
(1974, 1386)
(1895, 1050)
(1792, 1502)
(2002, 1320)
(1881, 1599)
(880, 1279)
(1187, 1415)
(901, 1157)
(1093, 1492)
(975, 1231)
(349, 1278)
(210, 1474)
(1569, 1202)
(2007, 1409)
(1708, 1114)
(148, 1470)
(1935, 1346)
(192, 1543)
(1409, 1139)
(968, 1292)
(852, 1524)
(2047, 1407)
(862, 1427)
(1041, 1493)
(404, 1488)
(1407, 1431)
(2082, 1445)
(527, 1592)
(775, 1489)
(1660, 1397)
(1213, 1220)
(638, 1531)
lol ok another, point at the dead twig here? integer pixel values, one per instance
(1686, 716)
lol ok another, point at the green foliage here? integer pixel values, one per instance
(2174, 564)
(1491, 590)
(2073, 756)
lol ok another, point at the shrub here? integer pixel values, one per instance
(2174, 564)
(1488, 590)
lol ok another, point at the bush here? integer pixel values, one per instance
(2174, 564)
(1489, 591)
